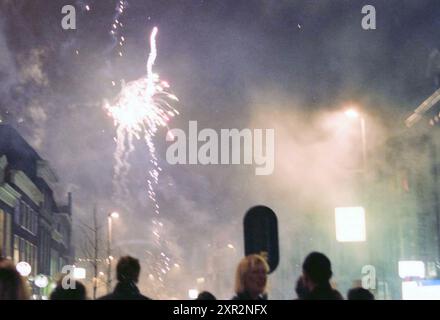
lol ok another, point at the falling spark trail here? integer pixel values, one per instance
(140, 109)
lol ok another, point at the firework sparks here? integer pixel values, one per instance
(140, 109)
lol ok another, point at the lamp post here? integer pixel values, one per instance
(353, 114)
(110, 217)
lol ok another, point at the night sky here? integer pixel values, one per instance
(287, 65)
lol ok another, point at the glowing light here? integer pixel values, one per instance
(79, 273)
(114, 215)
(421, 290)
(41, 281)
(230, 246)
(351, 113)
(87, 7)
(193, 293)
(24, 268)
(411, 269)
(350, 224)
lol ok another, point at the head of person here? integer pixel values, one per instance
(251, 276)
(300, 288)
(205, 295)
(128, 269)
(359, 294)
(317, 270)
(77, 291)
(12, 284)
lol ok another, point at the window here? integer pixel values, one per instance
(16, 249)
(17, 213)
(54, 260)
(26, 217)
(22, 213)
(8, 234)
(26, 251)
(34, 259)
(35, 222)
(21, 249)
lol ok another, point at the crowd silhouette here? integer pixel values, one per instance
(251, 280)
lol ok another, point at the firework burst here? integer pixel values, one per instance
(140, 109)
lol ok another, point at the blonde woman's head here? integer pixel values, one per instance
(251, 276)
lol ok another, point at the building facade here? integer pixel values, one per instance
(33, 227)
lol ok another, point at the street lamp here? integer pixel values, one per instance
(110, 217)
(352, 113)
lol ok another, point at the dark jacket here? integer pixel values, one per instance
(246, 296)
(125, 291)
(324, 292)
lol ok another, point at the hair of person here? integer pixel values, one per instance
(12, 284)
(318, 268)
(128, 269)
(246, 265)
(206, 295)
(359, 294)
(60, 293)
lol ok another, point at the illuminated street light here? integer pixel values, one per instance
(24, 268)
(351, 113)
(41, 281)
(114, 215)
